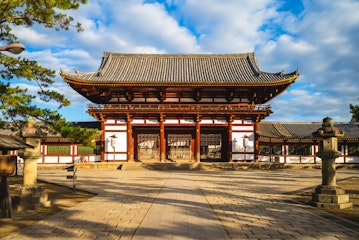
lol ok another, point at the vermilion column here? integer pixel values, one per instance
(162, 139)
(130, 143)
(103, 143)
(197, 152)
(256, 142)
(230, 121)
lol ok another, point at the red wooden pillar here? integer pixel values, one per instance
(162, 139)
(256, 142)
(230, 143)
(197, 152)
(130, 143)
(102, 142)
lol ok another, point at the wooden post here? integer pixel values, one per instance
(130, 143)
(256, 142)
(197, 152)
(162, 139)
(5, 199)
(230, 143)
(102, 142)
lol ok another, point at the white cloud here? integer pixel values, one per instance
(322, 42)
(38, 37)
(230, 26)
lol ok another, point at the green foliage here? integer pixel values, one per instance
(84, 150)
(16, 104)
(354, 110)
(58, 150)
(44, 12)
(76, 133)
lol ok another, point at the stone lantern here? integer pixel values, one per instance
(328, 195)
(29, 195)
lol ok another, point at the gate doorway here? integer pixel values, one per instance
(214, 144)
(180, 144)
(146, 144)
(179, 147)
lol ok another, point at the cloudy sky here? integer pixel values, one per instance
(319, 37)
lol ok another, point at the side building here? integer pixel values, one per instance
(293, 142)
(174, 107)
(279, 142)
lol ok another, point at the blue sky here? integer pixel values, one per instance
(319, 37)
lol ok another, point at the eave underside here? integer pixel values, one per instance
(104, 94)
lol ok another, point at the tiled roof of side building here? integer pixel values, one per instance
(221, 69)
(11, 142)
(303, 130)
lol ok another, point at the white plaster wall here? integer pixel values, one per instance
(352, 159)
(152, 121)
(239, 141)
(114, 127)
(120, 142)
(117, 156)
(249, 156)
(243, 128)
(50, 159)
(66, 159)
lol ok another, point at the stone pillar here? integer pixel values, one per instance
(30, 196)
(329, 195)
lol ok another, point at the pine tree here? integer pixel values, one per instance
(354, 110)
(16, 104)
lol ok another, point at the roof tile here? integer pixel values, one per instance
(179, 69)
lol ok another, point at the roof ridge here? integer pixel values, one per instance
(174, 55)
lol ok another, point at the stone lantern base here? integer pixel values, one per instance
(330, 197)
(30, 198)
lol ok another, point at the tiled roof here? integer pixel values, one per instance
(303, 130)
(11, 142)
(177, 69)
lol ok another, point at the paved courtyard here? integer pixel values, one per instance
(249, 204)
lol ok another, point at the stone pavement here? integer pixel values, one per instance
(249, 204)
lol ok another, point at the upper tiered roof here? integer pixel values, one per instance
(179, 70)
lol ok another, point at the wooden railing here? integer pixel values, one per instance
(181, 107)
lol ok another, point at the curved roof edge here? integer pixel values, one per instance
(239, 69)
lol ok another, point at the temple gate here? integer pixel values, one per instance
(174, 107)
